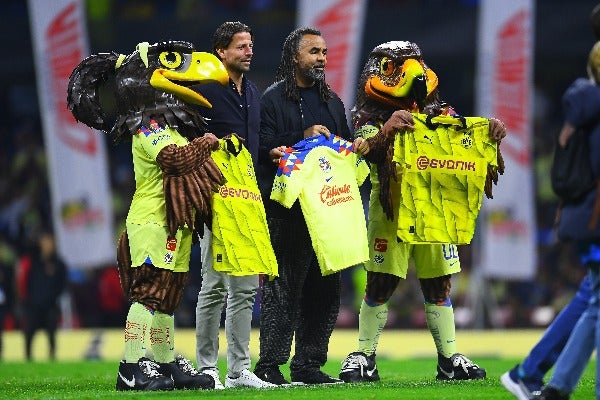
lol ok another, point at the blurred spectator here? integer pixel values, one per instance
(25, 205)
(111, 302)
(42, 277)
(7, 284)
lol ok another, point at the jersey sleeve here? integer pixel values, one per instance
(366, 131)
(287, 184)
(362, 170)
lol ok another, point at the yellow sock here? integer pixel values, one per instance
(371, 321)
(161, 337)
(440, 320)
(137, 325)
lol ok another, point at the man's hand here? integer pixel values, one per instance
(317, 130)
(565, 133)
(400, 120)
(361, 146)
(497, 129)
(276, 154)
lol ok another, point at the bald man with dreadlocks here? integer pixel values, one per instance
(301, 301)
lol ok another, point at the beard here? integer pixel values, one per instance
(316, 74)
(241, 68)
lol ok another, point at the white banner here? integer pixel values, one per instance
(505, 91)
(341, 24)
(79, 182)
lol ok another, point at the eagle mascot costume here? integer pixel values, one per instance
(175, 180)
(395, 86)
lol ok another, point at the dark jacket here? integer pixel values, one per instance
(228, 115)
(281, 125)
(581, 104)
(46, 280)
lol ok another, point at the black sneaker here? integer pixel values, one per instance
(550, 393)
(142, 375)
(272, 375)
(359, 367)
(458, 368)
(313, 376)
(185, 376)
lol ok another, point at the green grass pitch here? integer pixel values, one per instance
(406, 379)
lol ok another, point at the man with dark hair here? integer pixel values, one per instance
(236, 109)
(301, 301)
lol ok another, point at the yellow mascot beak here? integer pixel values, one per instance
(204, 68)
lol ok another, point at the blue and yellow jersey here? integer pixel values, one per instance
(324, 175)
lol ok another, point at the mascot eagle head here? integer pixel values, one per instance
(152, 83)
(395, 78)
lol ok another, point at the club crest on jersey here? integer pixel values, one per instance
(250, 172)
(151, 129)
(467, 140)
(279, 186)
(168, 257)
(379, 259)
(325, 166)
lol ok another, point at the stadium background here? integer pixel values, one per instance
(446, 32)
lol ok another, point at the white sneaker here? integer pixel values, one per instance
(247, 379)
(215, 375)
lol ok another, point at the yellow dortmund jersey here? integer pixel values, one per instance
(324, 175)
(443, 166)
(148, 203)
(241, 243)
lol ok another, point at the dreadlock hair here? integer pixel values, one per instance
(224, 34)
(286, 70)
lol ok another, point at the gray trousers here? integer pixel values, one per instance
(238, 292)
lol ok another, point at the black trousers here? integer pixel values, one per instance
(44, 318)
(299, 302)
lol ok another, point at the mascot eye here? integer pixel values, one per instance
(170, 59)
(387, 66)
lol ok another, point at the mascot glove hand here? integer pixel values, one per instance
(400, 120)
(211, 140)
(497, 129)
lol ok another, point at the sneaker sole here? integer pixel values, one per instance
(356, 378)
(513, 387)
(249, 385)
